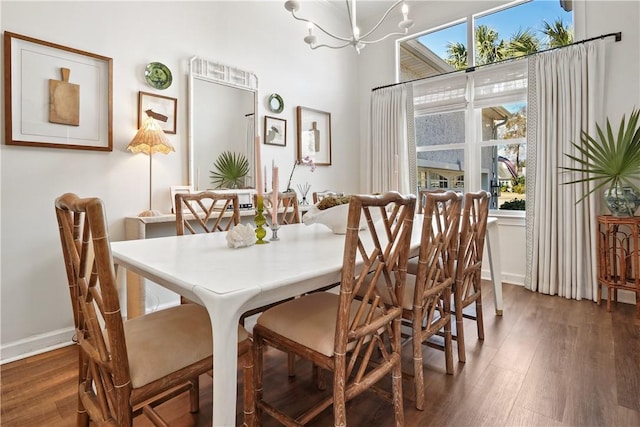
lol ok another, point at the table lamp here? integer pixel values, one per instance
(150, 139)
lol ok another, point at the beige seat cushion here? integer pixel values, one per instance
(168, 340)
(309, 320)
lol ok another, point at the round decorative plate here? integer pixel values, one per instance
(276, 104)
(158, 75)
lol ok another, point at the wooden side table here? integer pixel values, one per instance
(619, 257)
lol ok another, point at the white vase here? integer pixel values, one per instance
(622, 201)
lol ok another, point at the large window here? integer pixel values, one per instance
(471, 132)
(471, 128)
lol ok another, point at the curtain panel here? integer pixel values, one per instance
(392, 134)
(565, 97)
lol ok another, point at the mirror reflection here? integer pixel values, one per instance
(221, 119)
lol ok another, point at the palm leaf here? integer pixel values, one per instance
(608, 159)
(231, 169)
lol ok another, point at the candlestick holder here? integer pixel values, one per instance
(274, 232)
(260, 221)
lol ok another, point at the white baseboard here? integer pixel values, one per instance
(42, 343)
(514, 279)
(36, 344)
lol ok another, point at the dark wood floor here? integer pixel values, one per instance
(547, 362)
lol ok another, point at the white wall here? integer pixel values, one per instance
(256, 36)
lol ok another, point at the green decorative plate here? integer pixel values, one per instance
(158, 75)
(276, 104)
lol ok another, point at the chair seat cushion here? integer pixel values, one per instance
(309, 320)
(166, 341)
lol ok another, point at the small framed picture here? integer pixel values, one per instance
(178, 189)
(275, 131)
(314, 135)
(162, 108)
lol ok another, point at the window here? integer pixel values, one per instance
(471, 132)
(471, 128)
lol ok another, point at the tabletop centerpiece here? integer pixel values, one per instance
(332, 212)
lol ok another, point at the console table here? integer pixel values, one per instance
(619, 257)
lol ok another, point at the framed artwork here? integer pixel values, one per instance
(178, 189)
(56, 96)
(314, 135)
(162, 108)
(275, 131)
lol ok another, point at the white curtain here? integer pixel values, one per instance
(565, 96)
(392, 136)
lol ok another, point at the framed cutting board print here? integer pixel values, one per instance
(56, 96)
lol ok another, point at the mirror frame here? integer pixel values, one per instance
(214, 72)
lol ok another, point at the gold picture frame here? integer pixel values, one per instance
(56, 96)
(162, 108)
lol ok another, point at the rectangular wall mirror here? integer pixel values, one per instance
(222, 117)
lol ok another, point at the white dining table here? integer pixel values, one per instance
(229, 282)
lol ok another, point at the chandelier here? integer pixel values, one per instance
(354, 39)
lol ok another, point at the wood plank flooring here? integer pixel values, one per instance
(548, 361)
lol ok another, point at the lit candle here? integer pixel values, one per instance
(394, 185)
(257, 169)
(274, 196)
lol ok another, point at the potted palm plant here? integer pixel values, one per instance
(231, 170)
(612, 161)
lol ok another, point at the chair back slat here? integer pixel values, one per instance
(434, 277)
(471, 242)
(206, 212)
(288, 211)
(105, 385)
(319, 195)
(380, 253)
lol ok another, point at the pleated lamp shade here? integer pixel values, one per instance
(150, 139)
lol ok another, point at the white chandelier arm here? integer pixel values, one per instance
(383, 38)
(382, 19)
(331, 47)
(308, 21)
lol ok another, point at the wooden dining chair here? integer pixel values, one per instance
(209, 211)
(422, 197)
(126, 368)
(468, 267)
(428, 311)
(319, 195)
(358, 340)
(288, 212)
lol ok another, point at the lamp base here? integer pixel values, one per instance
(149, 212)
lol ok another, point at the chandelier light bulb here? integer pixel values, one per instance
(355, 39)
(292, 5)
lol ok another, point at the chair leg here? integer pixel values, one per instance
(339, 400)
(418, 377)
(459, 324)
(448, 347)
(249, 398)
(318, 376)
(194, 396)
(291, 363)
(479, 318)
(396, 377)
(258, 365)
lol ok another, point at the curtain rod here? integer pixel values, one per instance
(617, 35)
